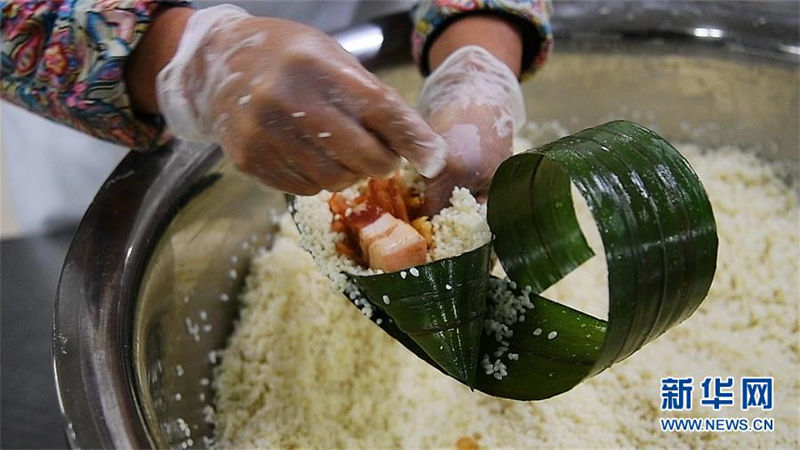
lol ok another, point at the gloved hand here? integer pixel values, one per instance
(288, 104)
(473, 100)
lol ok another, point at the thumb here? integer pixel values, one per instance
(437, 194)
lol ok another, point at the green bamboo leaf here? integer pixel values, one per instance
(439, 306)
(556, 347)
(436, 310)
(658, 234)
(660, 246)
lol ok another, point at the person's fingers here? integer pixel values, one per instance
(384, 113)
(278, 176)
(335, 135)
(476, 149)
(308, 157)
(437, 195)
(439, 190)
(405, 133)
(280, 149)
(303, 157)
(282, 179)
(259, 154)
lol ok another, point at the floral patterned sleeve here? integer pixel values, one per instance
(64, 59)
(431, 17)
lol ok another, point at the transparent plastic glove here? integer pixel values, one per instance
(288, 104)
(473, 100)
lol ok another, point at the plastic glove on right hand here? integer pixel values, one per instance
(288, 104)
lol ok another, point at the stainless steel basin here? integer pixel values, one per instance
(148, 289)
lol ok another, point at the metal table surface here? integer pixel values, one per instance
(29, 414)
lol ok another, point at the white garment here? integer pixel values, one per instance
(52, 172)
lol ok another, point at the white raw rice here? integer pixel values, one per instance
(458, 228)
(304, 369)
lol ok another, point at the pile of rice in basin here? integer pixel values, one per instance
(304, 368)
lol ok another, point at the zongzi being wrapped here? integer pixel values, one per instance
(427, 277)
(376, 226)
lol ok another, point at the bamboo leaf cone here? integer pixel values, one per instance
(660, 244)
(658, 234)
(440, 306)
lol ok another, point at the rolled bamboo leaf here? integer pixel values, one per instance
(660, 245)
(659, 239)
(436, 309)
(439, 306)
(556, 348)
(538, 373)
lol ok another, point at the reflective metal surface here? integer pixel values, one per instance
(768, 29)
(148, 290)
